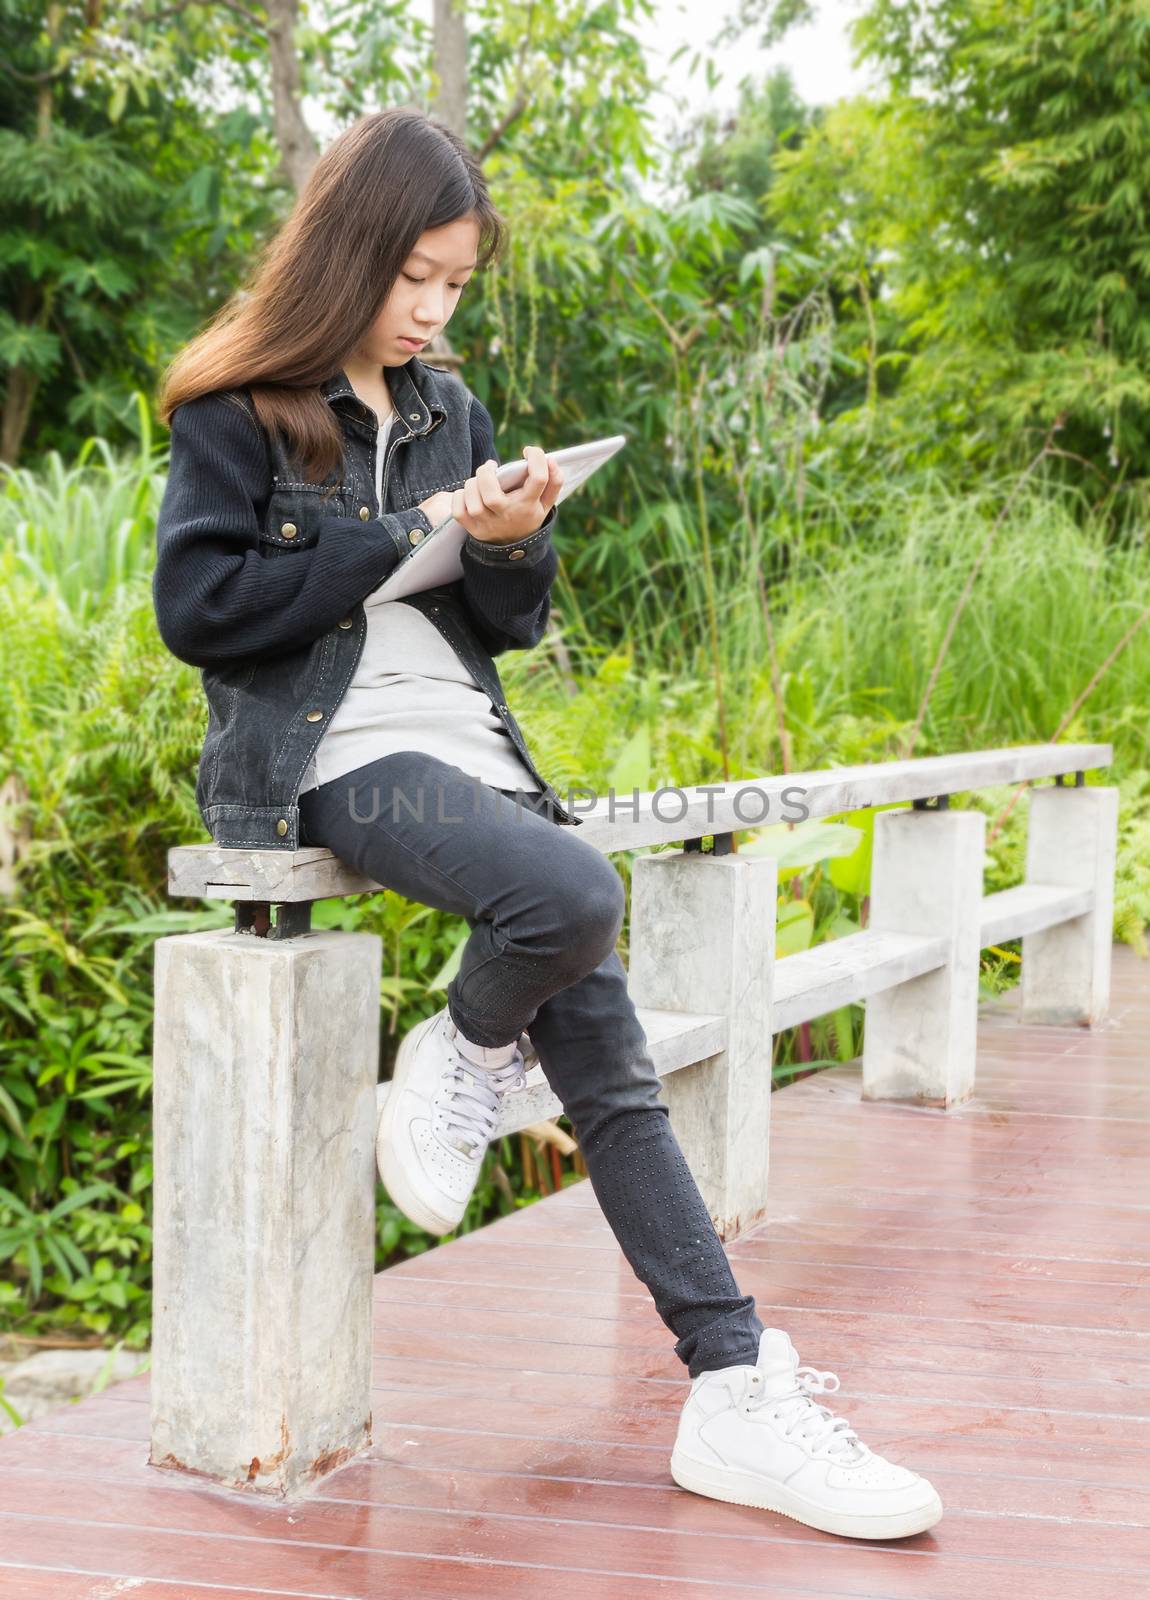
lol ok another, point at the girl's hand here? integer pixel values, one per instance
(499, 516)
(438, 507)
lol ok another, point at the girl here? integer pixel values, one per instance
(311, 448)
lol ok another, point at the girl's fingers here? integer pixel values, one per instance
(535, 481)
(538, 472)
(483, 494)
(473, 497)
(554, 484)
(488, 486)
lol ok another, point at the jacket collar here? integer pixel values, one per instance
(412, 389)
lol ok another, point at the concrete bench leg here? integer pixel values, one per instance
(703, 939)
(1072, 841)
(920, 1036)
(266, 1059)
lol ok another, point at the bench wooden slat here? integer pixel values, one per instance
(206, 871)
(1030, 907)
(828, 792)
(833, 974)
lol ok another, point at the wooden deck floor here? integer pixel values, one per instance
(977, 1278)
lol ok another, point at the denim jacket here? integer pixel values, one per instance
(260, 580)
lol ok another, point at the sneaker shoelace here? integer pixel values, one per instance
(806, 1419)
(472, 1102)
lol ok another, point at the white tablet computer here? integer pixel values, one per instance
(437, 559)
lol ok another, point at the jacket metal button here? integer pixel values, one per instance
(416, 535)
(414, 416)
(364, 513)
(346, 622)
(315, 716)
(289, 530)
(516, 555)
(281, 826)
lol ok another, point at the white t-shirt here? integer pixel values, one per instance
(412, 692)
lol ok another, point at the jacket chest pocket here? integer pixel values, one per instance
(295, 514)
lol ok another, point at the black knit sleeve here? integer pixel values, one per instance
(218, 597)
(506, 587)
(482, 436)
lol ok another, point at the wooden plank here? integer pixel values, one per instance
(978, 1280)
(282, 875)
(998, 1295)
(49, 1583)
(515, 1466)
(813, 982)
(1028, 908)
(754, 1551)
(214, 872)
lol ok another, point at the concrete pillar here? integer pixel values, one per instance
(702, 939)
(266, 1059)
(926, 878)
(1072, 842)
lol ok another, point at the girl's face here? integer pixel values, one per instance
(425, 294)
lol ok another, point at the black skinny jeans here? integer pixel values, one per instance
(545, 910)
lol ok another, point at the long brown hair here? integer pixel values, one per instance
(321, 281)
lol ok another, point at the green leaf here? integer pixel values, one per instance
(632, 766)
(451, 966)
(81, 1197)
(794, 927)
(11, 1112)
(802, 844)
(851, 873)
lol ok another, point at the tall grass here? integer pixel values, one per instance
(82, 531)
(104, 728)
(858, 625)
(1052, 600)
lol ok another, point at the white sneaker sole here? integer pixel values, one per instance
(391, 1160)
(745, 1489)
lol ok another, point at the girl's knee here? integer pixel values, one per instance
(595, 908)
(570, 910)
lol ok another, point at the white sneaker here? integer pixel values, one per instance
(754, 1436)
(439, 1113)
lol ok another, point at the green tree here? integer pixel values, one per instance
(116, 222)
(1002, 187)
(735, 152)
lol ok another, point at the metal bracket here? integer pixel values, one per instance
(293, 917)
(934, 802)
(1061, 777)
(722, 844)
